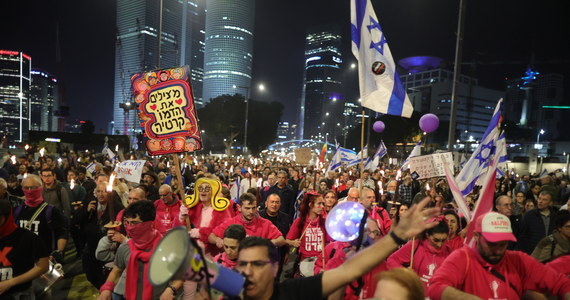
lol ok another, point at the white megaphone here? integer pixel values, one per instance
(176, 257)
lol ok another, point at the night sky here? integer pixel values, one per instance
(501, 37)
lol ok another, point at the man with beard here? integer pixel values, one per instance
(135, 255)
(54, 193)
(99, 211)
(254, 225)
(490, 271)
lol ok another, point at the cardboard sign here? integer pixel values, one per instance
(427, 166)
(303, 156)
(166, 110)
(130, 170)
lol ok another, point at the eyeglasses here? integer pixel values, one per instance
(204, 189)
(165, 195)
(30, 187)
(256, 264)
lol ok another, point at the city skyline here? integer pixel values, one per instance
(499, 43)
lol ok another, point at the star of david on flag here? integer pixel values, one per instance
(479, 161)
(340, 156)
(380, 87)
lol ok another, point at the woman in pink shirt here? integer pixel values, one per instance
(428, 252)
(454, 240)
(308, 232)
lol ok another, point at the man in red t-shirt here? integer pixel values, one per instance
(254, 224)
(490, 271)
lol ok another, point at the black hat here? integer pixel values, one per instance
(153, 175)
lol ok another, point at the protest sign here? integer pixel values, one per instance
(130, 170)
(427, 166)
(166, 110)
(303, 156)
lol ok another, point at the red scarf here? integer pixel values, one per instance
(133, 270)
(8, 227)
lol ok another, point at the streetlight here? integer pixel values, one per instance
(541, 132)
(247, 89)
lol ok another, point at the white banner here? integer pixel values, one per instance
(428, 166)
(130, 170)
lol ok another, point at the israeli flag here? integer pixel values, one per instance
(380, 87)
(112, 156)
(347, 155)
(91, 168)
(359, 157)
(380, 152)
(336, 160)
(417, 151)
(480, 160)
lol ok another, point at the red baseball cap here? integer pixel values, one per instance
(495, 227)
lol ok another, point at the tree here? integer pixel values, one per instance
(223, 120)
(264, 118)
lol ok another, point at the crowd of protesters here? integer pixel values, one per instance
(70, 201)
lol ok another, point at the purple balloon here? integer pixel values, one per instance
(378, 126)
(429, 122)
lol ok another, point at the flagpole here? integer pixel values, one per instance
(361, 153)
(456, 74)
(180, 185)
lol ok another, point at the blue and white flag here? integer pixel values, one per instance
(479, 161)
(417, 151)
(380, 152)
(107, 151)
(347, 155)
(336, 160)
(91, 168)
(380, 87)
(359, 157)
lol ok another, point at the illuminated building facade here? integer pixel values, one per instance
(45, 101)
(533, 102)
(229, 47)
(429, 87)
(15, 81)
(136, 49)
(322, 103)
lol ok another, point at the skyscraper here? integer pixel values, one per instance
(534, 104)
(229, 48)
(136, 48)
(15, 80)
(322, 102)
(45, 101)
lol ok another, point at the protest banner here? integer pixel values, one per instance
(303, 156)
(130, 170)
(166, 110)
(427, 166)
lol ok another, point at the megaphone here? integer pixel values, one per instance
(345, 221)
(176, 257)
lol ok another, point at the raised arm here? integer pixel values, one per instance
(411, 223)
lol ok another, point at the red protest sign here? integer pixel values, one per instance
(166, 110)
